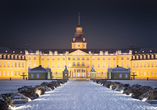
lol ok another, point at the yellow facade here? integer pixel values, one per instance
(79, 61)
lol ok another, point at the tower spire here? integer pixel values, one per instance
(79, 18)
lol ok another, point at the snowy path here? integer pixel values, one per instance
(85, 95)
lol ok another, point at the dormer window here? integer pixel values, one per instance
(73, 39)
(133, 57)
(83, 39)
(136, 57)
(20, 51)
(150, 50)
(148, 56)
(6, 51)
(0, 56)
(144, 56)
(140, 56)
(13, 51)
(143, 51)
(8, 56)
(135, 51)
(4, 56)
(152, 56)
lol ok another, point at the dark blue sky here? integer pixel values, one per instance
(51, 24)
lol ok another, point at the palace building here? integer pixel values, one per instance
(79, 60)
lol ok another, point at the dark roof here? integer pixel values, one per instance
(39, 68)
(6, 50)
(147, 50)
(79, 38)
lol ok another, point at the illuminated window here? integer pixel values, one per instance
(120, 75)
(122, 58)
(103, 65)
(144, 64)
(4, 64)
(68, 58)
(137, 73)
(73, 63)
(152, 73)
(114, 65)
(155, 64)
(148, 73)
(98, 73)
(148, 56)
(93, 58)
(0, 64)
(98, 58)
(109, 65)
(15, 73)
(136, 57)
(4, 56)
(140, 56)
(104, 73)
(98, 65)
(144, 73)
(23, 57)
(58, 65)
(11, 73)
(144, 56)
(87, 58)
(48, 58)
(135, 51)
(148, 64)
(58, 58)
(83, 64)
(122, 64)
(127, 64)
(34, 64)
(12, 56)
(108, 58)
(37, 75)
(8, 64)
(152, 56)
(73, 58)
(141, 73)
(29, 58)
(133, 57)
(152, 64)
(53, 58)
(156, 73)
(114, 58)
(47, 65)
(137, 64)
(63, 65)
(87, 65)
(0, 56)
(19, 57)
(140, 64)
(8, 56)
(127, 58)
(63, 58)
(19, 73)
(29, 65)
(34, 58)
(78, 63)
(69, 64)
(156, 56)
(133, 65)
(12, 64)
(23, 64)
(3, 73)
(150, 50)
(8, 73)
(103, 58)
(42, 58)
(53, 65)
(19, 64)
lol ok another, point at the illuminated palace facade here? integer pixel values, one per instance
(79, 60)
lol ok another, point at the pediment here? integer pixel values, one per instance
(79, 52)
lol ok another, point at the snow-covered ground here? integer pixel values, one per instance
(85, 95)
(152, 83)
(7, 86)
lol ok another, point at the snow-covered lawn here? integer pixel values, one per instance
(152, 83)
(7, 86)
(85, 95)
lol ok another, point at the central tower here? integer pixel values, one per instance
(79, 41)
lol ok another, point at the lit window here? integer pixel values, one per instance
(73, 63)
(23, 57)
(98, 58)
(155, 56)
(104, 73)
(114, 58)
(109, 65)
(152, 56)
(63, 58)
(78, 63)
(133, 57)
(122, 64)
(68, 58)
(3, 73)
(0, 56)
(137, 64)
(150, 50)
(103, 58)
(69, 65)
(58, 65)
(133, 65)
(12, 64)
(103, 65)
(29, 58)
(34, 64)
(155, 64)
(98, 65)
(140, 64)
(127, 58)
(19, 64)
(148, 56)
(87, 58)
(152, 64)
(47, 58)
(53, 58)
(120, 75)
(144, 73)
(47, 65)
(53, 65)
(156, 73)
(32, 75)
(15, 73)
(148, 64)
(19, 73)
(37, 75)
(152, 73)
(22, 64)
(19, 57)
(29, 65)
(83, 64)
(141, 73)
(148, 73)
(144, 56)
(98, 73)
(58, 58)
(34, 58)
(127, 64)
(140, 56)
(137, 73)
(144, 64)
(8, 73)
(0, 64)
(8, 64)
(11, 73)
(122, 58)
(73, 58)
(108, 58)
(126, 75)
(4, 56)
(93, 58)
(8, 56)
(63, 65)
(87, 65)
(4, 64)
(42, 58)
(136, 57)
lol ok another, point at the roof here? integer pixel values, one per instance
(119, 70)
(39, 69)
(79, 38)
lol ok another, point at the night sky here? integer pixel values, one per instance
(50, 24)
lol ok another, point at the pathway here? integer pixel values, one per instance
(85, 95)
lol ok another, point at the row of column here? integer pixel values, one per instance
(78, 73)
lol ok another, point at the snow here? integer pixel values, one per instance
(152, 83)
(7, 86)
(85, 95)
